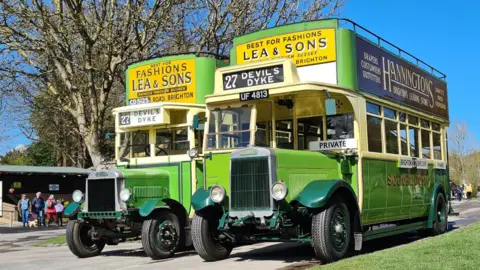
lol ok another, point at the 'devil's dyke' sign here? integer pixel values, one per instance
(388, 76)
(253, 77)
(162, 81)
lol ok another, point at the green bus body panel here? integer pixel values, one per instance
(204, 73)
(71, 209)
(346, 59)
(298, 168)
(218, 170)
(201, 199)
(404, 198)
(148, 206)
(279, 30)
(317, 193)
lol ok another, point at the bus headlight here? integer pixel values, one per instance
(217, 194)
(77, 196)
(192, 152)
(279, 191)
(125, 194)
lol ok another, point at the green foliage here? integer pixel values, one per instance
(37, 154)
(453, 250)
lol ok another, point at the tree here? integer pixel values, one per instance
(463, 160)
(77, 51)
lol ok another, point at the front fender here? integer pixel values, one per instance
(201, 199)
(317, 193)
(437, 188)
(148, 206)
(72, 209)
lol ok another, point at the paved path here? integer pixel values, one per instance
(131, 256)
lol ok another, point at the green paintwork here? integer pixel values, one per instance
(388, 231)
(201, 199)
(299, 168)
(346, 59)
(218, 170)
(317, 193)
(204, 68)
(280, 30)
(383, 202)
(71, 208)
(149, 205)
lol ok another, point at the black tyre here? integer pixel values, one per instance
(440, 223)
(332, 232)
(79, 242)
(162, 235)
(205, 239)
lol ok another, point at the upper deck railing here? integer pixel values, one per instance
(400, 52)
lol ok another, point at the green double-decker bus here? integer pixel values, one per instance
(317, 134)
(148, 193)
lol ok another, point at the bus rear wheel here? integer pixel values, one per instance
(331, 232)
(440, 223)
(161, 235)
(79, 242)
(205, 239)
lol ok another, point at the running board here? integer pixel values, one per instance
(393, 230)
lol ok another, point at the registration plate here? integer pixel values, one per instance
(254, 95)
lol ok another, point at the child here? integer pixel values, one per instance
(51, 211)
(59, 210)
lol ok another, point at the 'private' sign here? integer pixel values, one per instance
(333, 145)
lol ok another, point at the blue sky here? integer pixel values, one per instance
(442, 33)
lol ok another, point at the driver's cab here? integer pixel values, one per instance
(157, 132)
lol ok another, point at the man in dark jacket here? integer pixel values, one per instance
(38, 207)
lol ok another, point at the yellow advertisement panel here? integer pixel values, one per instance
(304, 48)
(168, 81)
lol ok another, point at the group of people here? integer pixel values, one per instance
(464, 191)
(38, 208)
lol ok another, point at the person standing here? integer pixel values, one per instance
(24, 209)
(59, 208)
(37, 208)
(50, 210)
(468, 189)
(459, 193)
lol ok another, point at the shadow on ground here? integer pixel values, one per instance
(8, 230)
(141, 253)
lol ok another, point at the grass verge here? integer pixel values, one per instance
(458, 249)
(59, 240)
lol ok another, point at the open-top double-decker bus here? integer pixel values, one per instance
(149, 192)
(335, 141)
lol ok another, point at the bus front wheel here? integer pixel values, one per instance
(79, 242)
(331, 232)
(205, 239)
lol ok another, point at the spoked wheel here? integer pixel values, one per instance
(331, 232)
(80, 242)
(206, 241)
(162, 236)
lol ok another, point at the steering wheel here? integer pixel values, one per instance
(159, 150)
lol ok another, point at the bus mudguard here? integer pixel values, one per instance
(148, 206)
(317, 193)
(437, 188)
(72, 209)
(201, 199)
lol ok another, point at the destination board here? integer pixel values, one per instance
(253, 77)
(162, 81)
(141, 118)
(412, 163)
(388, 76)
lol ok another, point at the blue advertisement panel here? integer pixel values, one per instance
(385, 75)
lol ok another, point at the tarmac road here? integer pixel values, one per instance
(21, 255)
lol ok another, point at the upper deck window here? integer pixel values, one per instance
(389, 113)
(373, 108)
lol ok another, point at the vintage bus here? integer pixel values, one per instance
(148, 194)
(336, 141)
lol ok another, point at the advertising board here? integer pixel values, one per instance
(162, 81)
(385, 75)
(312, 51)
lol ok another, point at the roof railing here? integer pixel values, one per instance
(379, 40)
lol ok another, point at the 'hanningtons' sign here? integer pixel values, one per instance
(167, 81)
(312, 51)
(385, 75)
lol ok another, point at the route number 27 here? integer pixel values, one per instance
(230, 81)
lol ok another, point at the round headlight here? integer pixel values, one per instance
(77, 196)
(279, 191)
(192, 152)
(125, 194)
(217, 194)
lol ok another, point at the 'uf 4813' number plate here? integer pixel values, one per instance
(254, 95)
